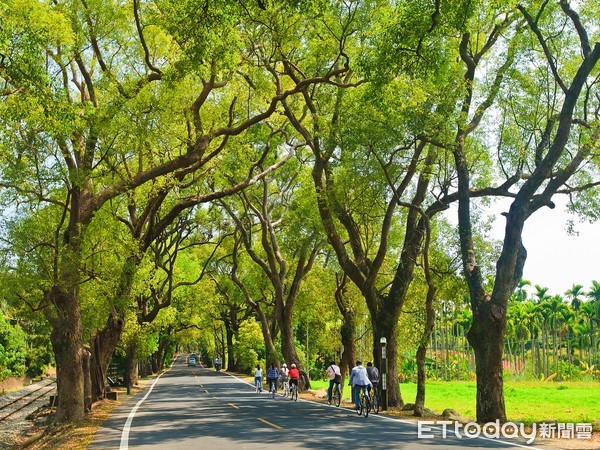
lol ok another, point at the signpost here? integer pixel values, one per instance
(384, 402)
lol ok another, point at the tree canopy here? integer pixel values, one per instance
(264, 180)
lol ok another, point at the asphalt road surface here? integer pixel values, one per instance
(198, 408)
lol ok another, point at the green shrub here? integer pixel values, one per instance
(13, 349)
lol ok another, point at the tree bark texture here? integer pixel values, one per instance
(487, 338)
(102, 348)
(66, 338)
(422, 352)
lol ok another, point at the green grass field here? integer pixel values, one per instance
(525, 401)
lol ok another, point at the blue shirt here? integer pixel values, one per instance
(272, 373)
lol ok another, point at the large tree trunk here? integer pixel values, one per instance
(288, 346)
(272, 355)
(103, 346)
(422, 350)
(347, 330)
(386, 326)
(131, 365)
(487, 338)
(87, 381)
(348, 338)
(154, 363)
(231, 365)
(163, 347)
(66, 338)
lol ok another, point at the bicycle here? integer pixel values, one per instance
(273, 387)
(294, 392)
(365, 402)
(336, 395)
(286, 387)
(375, 399)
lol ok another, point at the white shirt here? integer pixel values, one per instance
(333, 370)
(359, 377)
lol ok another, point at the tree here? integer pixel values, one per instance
(375, 155)
(81, 74)
(284, 258)
(574, 294)
(545, 170)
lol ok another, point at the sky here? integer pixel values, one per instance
(556, 259)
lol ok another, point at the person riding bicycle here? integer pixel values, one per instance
(335, 378)
(258, 375)
(373, 374)
(283, 374)
(359, 380)
(272, 375)
(294, 376)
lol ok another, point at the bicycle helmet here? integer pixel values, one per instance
(284, 365)
(293, 366)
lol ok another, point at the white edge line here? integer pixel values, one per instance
(410, 422)
(124, 445)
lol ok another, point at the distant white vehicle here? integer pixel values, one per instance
(192, 362)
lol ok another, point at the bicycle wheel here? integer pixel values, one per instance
(361, 402)
(337, 396)
(367, 404)
(273, 389)
(295, 393)
(286, 389)
(375, 402)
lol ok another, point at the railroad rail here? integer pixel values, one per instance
(26, 397)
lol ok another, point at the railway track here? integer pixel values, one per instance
(16, 402)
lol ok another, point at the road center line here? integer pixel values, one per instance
(269, 423)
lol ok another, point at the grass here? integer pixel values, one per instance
(526, 401)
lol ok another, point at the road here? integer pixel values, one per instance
(197, 408)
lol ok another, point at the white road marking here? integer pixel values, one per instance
(125, 434)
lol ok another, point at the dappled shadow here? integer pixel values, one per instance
(201, 408)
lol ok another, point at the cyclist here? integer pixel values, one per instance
(335, 378)
(359, 380)
(294, 376)
(283, 374)
(258, 375)
(373, 374)
(272, 375)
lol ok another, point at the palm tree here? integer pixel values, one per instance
(541, 293)
(516, 329)
(520, 294)
(589, 315)
(574, 294)
(532, 321)
(554, 308)
(594, 293)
